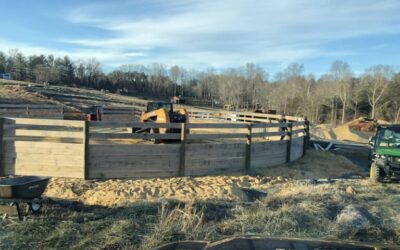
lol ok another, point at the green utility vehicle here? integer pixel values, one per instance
(385, 153)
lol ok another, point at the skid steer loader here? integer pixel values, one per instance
(162, 112)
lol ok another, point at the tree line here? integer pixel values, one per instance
(334, 97)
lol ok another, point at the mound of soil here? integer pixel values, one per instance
(116, 192)
(363, 124)
(358, 130)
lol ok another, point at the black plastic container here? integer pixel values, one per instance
(24, 187)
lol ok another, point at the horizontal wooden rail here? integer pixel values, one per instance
(112, 112)
(40, 127)
(134, 125)
(144, 136)
(42, 138)
(51, 122)
(269, 125)
(217, 125)
(269, 134)
(215, 136)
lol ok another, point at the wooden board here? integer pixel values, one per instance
(52, 122)
(30, 149)
(297, 148)
(265, 154)
(132, 149)
(132, 161)
(212, 158)
(42, 133)
(37, 158)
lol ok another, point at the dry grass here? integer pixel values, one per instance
(296, 208)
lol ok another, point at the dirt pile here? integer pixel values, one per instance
(363, 124)
(116, 192)
(120, 192)
(358, 130)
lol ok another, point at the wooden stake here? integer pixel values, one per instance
(85, 166)
(248, 146)
(289, 142)
(182, 155)
(2, 150)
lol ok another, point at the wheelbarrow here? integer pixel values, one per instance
(23, 189)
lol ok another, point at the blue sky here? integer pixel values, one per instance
(201, 34)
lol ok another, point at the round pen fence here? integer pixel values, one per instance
(212, 143)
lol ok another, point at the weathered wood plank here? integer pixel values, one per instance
(41, 138)
(134, 125)
(2, 147)
(44, 122)
(217, 125)
(215, 136)
(85, 150)
(42, 133)
(212, 163)
(49, 148)
(133, 149)
(269, 125)
(32, 160)
(269, 134)
(54, 173)
(41, 127)
(98, 174)
(144, 136)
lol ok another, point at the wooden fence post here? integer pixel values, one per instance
(248, 146)
(62, 111)
(27, 110)
(306, 142)
(289, 143)
(2, 148)
(182, 155)
(86, 127)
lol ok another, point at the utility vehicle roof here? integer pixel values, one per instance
(388, 126)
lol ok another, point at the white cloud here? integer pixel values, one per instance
(225, 33)
(222, 32)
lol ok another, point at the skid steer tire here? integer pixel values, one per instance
(375, 175)
(155, 131)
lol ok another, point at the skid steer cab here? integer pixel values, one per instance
(162, 112)
(385, 153)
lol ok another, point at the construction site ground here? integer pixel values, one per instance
(325, 195)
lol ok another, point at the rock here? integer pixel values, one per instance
(350, 190)
(351, 220)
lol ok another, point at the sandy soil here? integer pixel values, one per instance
(316, 164)
(117, 192)
(342, 133)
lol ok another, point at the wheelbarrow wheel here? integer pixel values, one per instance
(35, 206)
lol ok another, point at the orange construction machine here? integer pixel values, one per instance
(162, 112)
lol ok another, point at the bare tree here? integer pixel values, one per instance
(341, 76)
(375, 81)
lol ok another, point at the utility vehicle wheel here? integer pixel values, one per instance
(374, 173)
(35, 206)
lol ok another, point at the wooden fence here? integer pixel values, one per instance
(121, 113)
(242, 116)
(42, 147)
(48, 111)
(110, 149)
